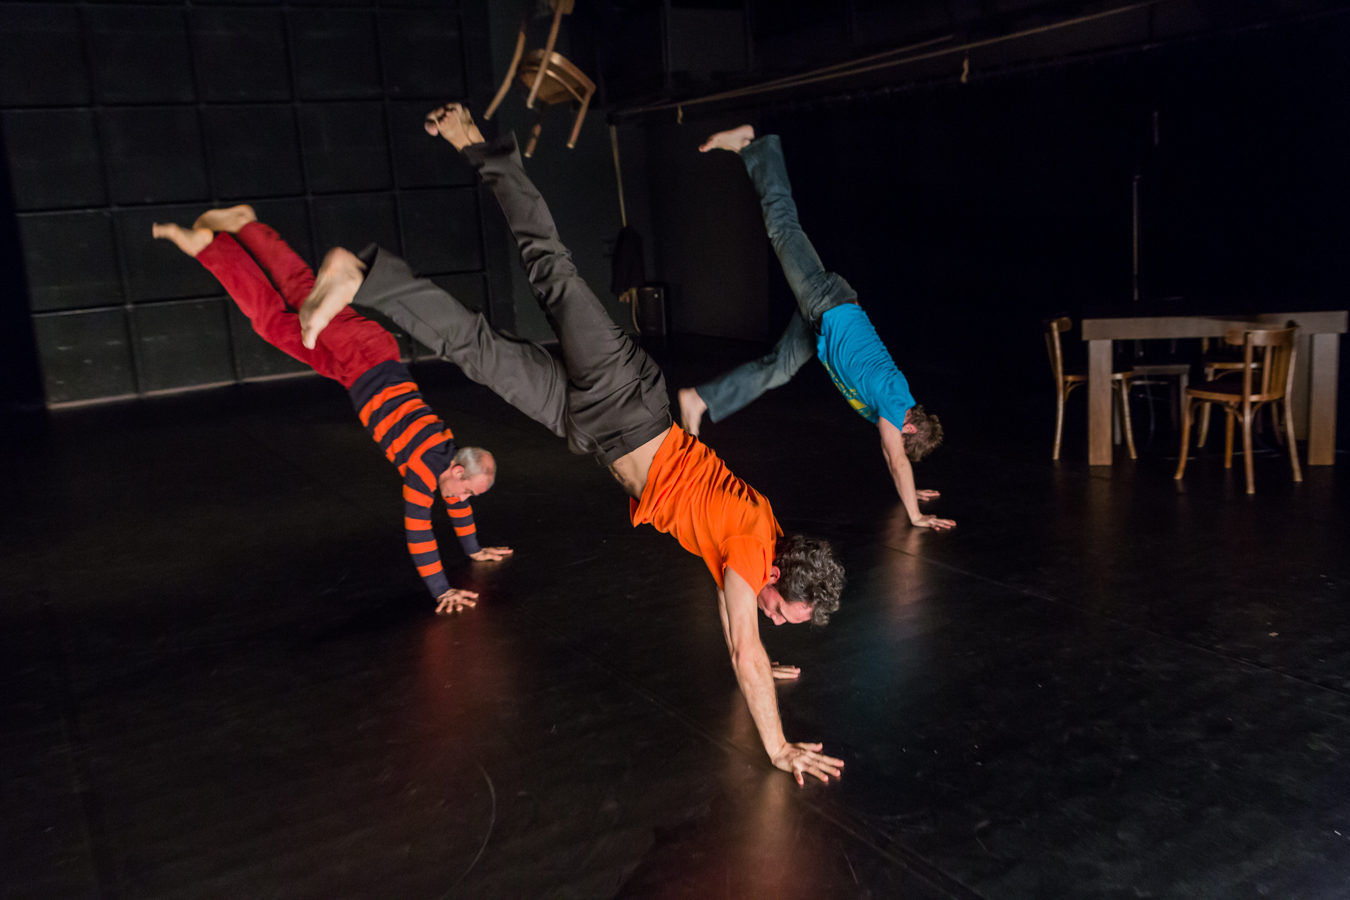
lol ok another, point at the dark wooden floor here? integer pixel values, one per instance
(222, 678)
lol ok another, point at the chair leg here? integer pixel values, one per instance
(546, 60)
(1125, 417)
(511, 70)
(1291, 443)
(1187, 413)
(1059, 422)
(534, 132)
(576, 127)
(1230, 420)
(1204, 425)
(1247, 418)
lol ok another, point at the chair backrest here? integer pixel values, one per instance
(1277, 365)
(1053, 327)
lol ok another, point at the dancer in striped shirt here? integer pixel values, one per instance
(242, 253)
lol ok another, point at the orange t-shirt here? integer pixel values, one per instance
(692, 495)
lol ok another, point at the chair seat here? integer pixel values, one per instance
(1082, 376)
(1223, 392)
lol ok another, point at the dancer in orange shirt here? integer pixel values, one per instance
(608, 398)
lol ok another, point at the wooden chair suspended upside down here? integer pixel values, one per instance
(546, 77)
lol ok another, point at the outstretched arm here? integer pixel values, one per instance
(755, 677)
(902, 473)
(418, 498)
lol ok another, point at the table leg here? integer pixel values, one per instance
(1099, 403)
(1326, 350)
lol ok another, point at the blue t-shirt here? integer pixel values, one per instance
(861, 367)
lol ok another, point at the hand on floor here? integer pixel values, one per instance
(785, 673)
(927, 495)
(806, 759)
(491, 554)
(932, 522)
(453, 600)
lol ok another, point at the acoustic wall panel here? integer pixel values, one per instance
(154, 154)
(441, 230)
(420, 53)
(346, 148)
(54, 159)
(140, 54)
(70, 260)
(253, 151)
(122, 113)
(355, 220)
(240, 54)
(183, 344)
(336, 55)
(41, 56)
(85, 356)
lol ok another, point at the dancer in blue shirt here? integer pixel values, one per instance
(828, 324)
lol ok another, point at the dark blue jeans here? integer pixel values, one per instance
(817, 291)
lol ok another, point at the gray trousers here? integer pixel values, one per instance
(817, 291)
(606, 395)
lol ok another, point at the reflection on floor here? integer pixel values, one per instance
(222, 677)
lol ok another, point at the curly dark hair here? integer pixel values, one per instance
(808, 572)
(926, 439)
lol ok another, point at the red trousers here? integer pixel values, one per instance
(349, 347)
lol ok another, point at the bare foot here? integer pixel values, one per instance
(692, 409)
(733, 140)
(190, 241)
(231, 219)
(453, 123)
(335, 286)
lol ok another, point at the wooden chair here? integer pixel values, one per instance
(1217, 365)
(1271, 383)
(1064, 383)
(547, 77)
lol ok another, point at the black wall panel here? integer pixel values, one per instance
(155, 110)
(183, 344)
(253, 151)
(346, 148)
(140, 54)
(154, 154)
(441, 231)
(416, 60)
(54, 159)
(355, 220)
(336, 55)
(71, 260)
(41, 55)
(85, 356)
(240, 54)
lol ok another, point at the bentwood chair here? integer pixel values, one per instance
(1217, 363)
(546, 77)
(1270, 383)
(1066, 382)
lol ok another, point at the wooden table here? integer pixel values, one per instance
(1316, 368)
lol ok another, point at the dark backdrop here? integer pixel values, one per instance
(963, 214)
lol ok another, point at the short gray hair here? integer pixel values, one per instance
(476, 461)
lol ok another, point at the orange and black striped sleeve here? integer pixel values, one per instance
(415, 440)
